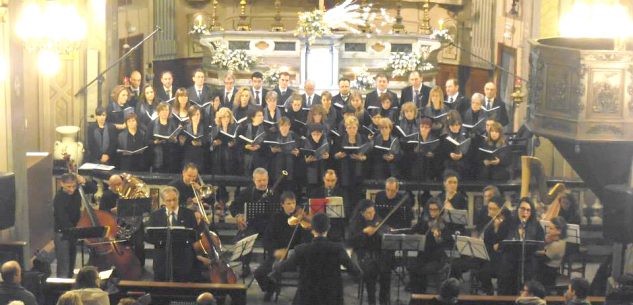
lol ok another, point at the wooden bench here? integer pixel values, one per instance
(423, 299)
(161, 292)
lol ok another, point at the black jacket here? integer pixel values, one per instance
(406, 95)
(15, 292)
(372, 99)
(66, 208)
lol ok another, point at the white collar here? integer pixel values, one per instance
(199, 89)
(166, 89)
(454, 96)
(169, 213)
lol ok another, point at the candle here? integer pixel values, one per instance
(441, 23)
(199, 20)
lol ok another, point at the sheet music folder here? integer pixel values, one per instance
(475, 247)
(403, 242)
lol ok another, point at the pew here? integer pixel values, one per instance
(161, 292)
(424, 299)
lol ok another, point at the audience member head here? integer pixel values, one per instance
(449, 290)
(260, 178)
(69, 298)
(533, 289)
(392, 185)
(577, 289)
(320, 223)
(87, 277)
(206, 298)
(11, 272)
(15, 303)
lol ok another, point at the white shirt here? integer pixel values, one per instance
(169, 216)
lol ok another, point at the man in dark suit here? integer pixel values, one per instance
(183, 256)
(257, 192)
(416, 92)
(386, 200)
(167, 91)
(373, 98)
(134, 88)
(283, 92)
(455, 100)
(229, 92)
(184, 184)
(10, 288)
(309, 98)
(342, 98)
(319, 264)
(330, 188)
(200, 93)
(257, 89)
(493, 106)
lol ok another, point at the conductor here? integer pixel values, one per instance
(319, 267)
(183, 257)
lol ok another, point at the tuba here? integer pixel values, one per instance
(132, 188)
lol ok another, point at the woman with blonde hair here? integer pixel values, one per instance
(436, 111)
(351, 152)
(242, 105)
(117, 108)
(356, 100)
(69, 298)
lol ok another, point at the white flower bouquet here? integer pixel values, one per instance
(271, 77)
(402, 63)
(311, 25)
(232, 60)
(443, 36)
(364, 81)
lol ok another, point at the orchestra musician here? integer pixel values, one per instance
(183, 184)
(388, 199)
(319, 262)
(551, 257)
(66, 211)
(171, 214)
(257, 192)
(365, 239)
(330, 188)
(277, 239)
(525, 226)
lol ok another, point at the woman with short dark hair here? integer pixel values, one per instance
(87, 287)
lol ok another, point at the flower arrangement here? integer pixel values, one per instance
(442, 35)
(200, 29)
(232, 60)
(271, 77)
(364, 80)
(311, 25)
(402, 63)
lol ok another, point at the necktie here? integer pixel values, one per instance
(227, 98)
(199, 93)
(488, 104)
(172, 219)
(415, 95)
(257, 97)
(283, 92)
(450, 100)
(169, 93)
(309, 103)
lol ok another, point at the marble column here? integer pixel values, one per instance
(164, 17)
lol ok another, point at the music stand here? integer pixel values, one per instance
(259, 211)
(521, 249)
(473, 247)
(459, 217)
(172, 237)
(573, 234)
(332, 206)
(402, 242)
(402, 212)
(243, 247)
(81, 234)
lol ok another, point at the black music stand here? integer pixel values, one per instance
(259, 212)
(402, 242)
(404, 212)
(81, 234)
(170, 237)
(454, 216)
(474, 247)
(521, 249)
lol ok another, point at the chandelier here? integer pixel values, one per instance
(51, 29)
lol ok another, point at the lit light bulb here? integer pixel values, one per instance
(48, 62)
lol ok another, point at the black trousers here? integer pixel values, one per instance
(377, 270)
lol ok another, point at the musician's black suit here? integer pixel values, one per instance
(184, 256)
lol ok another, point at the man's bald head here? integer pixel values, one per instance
(115, 182)
(11, 272)
(205, 298)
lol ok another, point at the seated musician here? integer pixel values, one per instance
(184, 184)
(525, 226)
(481, 217)
(319, 264)
(365, 239)
(277, 239)
(438, 240)
(171, 214)
(493, 234)
(330, 188)
(66, 211)
(552, 256)
(453, 198)
(257, 192)
(388, 199)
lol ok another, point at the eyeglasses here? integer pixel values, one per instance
(525, 209)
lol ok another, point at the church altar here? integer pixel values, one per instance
(324, 61)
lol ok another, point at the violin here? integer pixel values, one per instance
(300, 218)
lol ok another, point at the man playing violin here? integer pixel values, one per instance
(171, 214)
(66, 211)
(277, 240)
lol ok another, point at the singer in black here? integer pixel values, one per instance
(366, 241)
(319, 262)
(183, 257)
(525, 227)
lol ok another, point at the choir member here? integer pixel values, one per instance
(180, 108)
(455, 147)
(272, 114)
(436, 111)
(281, 234)
(386, 200)
(258, 91)
(407, 129)
(102, 139)
(343, 96)
(551, 257)
(135, 80)
(372, 101)
(352, 153)
(223, 143)
(494, 156)
(387, 109)
(525, 227)
(310, 98)
(117, 108)
(252, 136)
(167, 91)
(416, 92)
(146, 107)
(242, 106)
(365, 239)
(193, 138)
(425, 167)
(285, 152)
(384, 157)
(339, 133)
(331, 115)
(363, 116)
(201, 94)
(230, 91)
(317, 115)
(162, 135)
(297, 115)
(494, 106)
(475, 117)
(454, 100)
(283, 92)
(132, 144)
(316, 153)
(438, 240)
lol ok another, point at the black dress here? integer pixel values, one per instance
(298, 120)
(315, 170)
(101, 141)
(439, 118)
(253, 159)
(195, 145)
(135, 162)
(224, 158)
(497, 172)
(352, 172)
(425, 167)
(162, 152)
(407, 130)
(284, 160)
(146, 113)
(381, 168)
